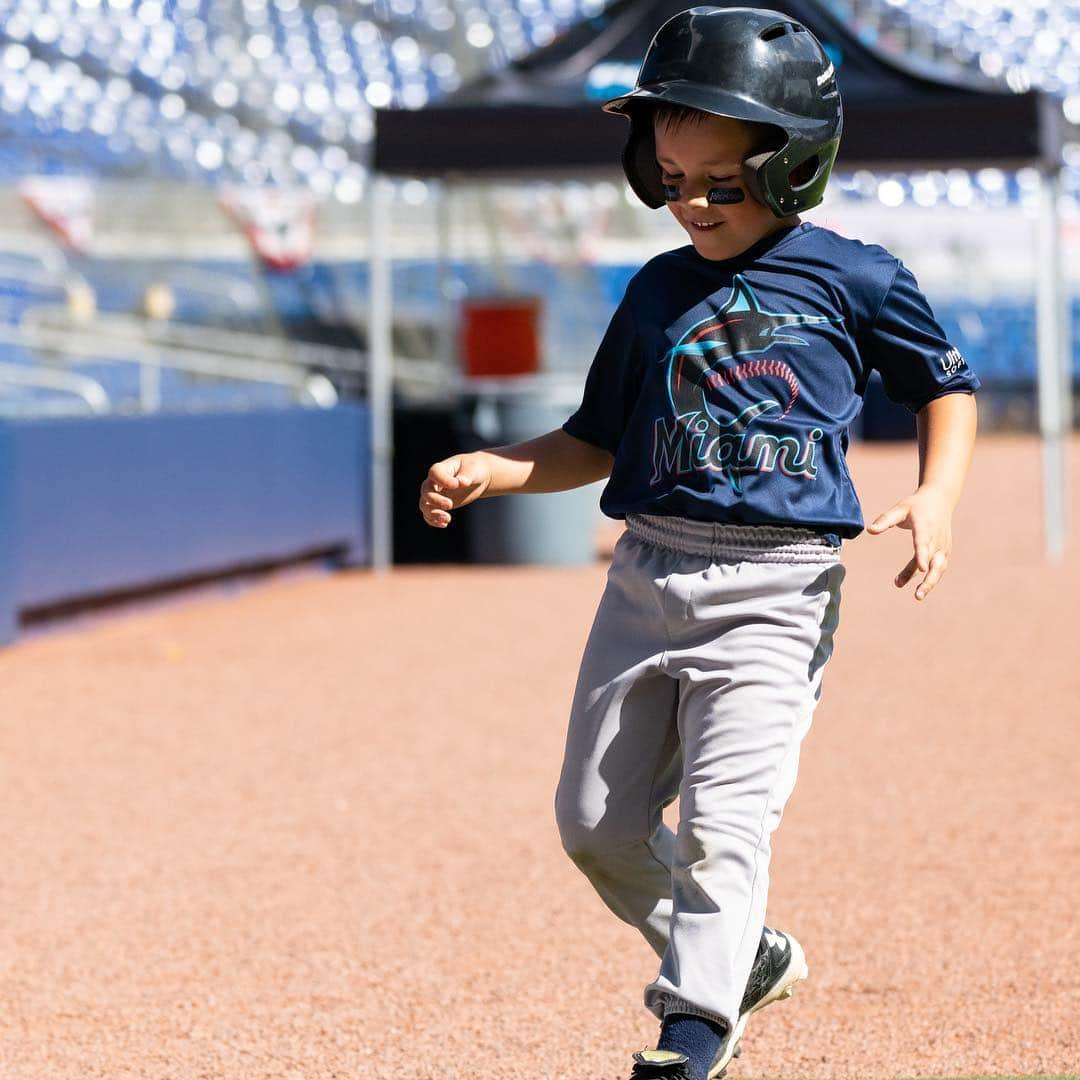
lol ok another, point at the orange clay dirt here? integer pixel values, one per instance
(305, 828)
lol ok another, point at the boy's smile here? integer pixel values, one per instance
(706, 153)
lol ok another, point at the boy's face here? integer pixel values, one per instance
(707, 152)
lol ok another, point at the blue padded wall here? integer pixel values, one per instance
(110, 503)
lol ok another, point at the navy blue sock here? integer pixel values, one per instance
(695, 1036)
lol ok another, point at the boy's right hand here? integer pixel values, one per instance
(450, 483)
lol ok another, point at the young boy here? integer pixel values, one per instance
(718, 405)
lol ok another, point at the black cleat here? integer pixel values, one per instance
(780, 963)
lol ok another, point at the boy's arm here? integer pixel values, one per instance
(555, 461)
(946, 430)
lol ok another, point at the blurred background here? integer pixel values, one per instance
(188, 214)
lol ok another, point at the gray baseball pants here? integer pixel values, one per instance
(699, 678)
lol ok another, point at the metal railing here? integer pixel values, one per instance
(154, 347)
(90, 391)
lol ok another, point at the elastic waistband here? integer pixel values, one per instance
(724, 541)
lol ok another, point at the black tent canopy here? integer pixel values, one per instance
(543, 110)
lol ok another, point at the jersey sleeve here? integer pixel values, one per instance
(611, 385)
(908, 347)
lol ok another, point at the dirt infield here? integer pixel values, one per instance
(306, 829)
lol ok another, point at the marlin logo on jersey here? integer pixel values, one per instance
(696, 438)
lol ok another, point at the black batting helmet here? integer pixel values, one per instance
(751, 64)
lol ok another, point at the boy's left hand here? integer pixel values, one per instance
(927, 512)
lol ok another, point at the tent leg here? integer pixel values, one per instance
(1050, 328)
(444, 195)
(380, 362)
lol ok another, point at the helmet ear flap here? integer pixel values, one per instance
(639, 162)
(769, 179)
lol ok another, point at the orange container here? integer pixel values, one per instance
(500, 335)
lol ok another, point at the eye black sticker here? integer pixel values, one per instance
(716, 194)
(726, 195)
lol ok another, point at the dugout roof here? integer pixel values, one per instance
(540, 116)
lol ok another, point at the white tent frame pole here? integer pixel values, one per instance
(444, 195)
(1053, 362)
(380, 368)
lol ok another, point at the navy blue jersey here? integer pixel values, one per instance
(724, 388)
